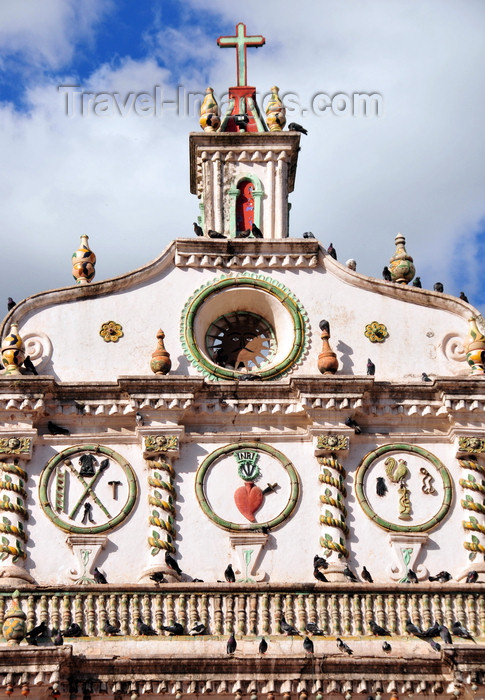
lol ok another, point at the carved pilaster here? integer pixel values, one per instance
(470, 449)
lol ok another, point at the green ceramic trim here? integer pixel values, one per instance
(233, 194)
(256, 447)
(258, 282)
(79, 449)
(414, 449)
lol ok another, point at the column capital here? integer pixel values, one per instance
(19, 446)
(327, 443)
(156, 443)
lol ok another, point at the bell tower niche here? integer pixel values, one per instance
(242, 172)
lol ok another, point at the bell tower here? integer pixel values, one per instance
(242, 168)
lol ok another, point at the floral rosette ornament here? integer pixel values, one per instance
(111, 332)
(376, 332)
(249, 497)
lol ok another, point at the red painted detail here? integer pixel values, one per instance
(240, 94)
(245, 205)
(248, 498)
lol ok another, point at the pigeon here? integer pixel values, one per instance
(381, 488)
(257, 233)
(263, 646)
(351, 264)
(74, 630)
(308, 646)
(442, 577)
(313, 628)
(438, 287)
(351, 423)
(198, 629)
(377, 630)
(308, 234)
(319, 576)
(98, 576)
(412, 578)
(458, 630)
(158, 577)
(445, 634)
(229, 574)
(413, 629)
(231, 645)
(172, 564)
(175, 629)
(425, 378)
(110, 630)
(319, 562)
(198, 229)
(11, 303)
(297, 127)
(145, 630)
(332, 252)
(435, 645)
(243, 234)
(215, 234)
(432, 631)
(57, 429)
(37, 631)
(288, 629)
(58, 639)
(139, 418)
(472, 577)
(29, 365)
(349, 575)
(366, 576)
(344, 647)
(386, 647)
(386, 274)
(417, 282)
(464, 297)
(371, 368)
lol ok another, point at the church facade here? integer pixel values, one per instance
(212, 446)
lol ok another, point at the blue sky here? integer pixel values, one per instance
(416, 169)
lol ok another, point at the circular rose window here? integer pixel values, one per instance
(241, 340)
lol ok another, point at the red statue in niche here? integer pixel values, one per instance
(245, 205)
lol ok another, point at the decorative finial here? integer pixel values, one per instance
(327, 359)
(83, 262)
(475, 348)
(14, 627)
(13, 352)
(240, 42)
(275, 111)
(161, 362)
(209, 112)
(401, 264)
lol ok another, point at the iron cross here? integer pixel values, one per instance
(241, 41)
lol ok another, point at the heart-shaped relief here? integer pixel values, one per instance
(248, 498)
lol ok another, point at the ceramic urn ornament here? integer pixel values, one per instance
(327, 359)
(83, 262)
(161, 362)
(401, 264)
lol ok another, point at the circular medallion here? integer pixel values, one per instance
(247, 486)
(87, 489)
(403, 488)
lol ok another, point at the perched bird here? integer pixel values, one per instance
(172, 564)
(344, 647)
(57, 429)
(74, 630)
(425, 378)
(288, 629)
(438, 287)
(412, 578)
(243, 234)
(413, 629)
(472, 577)
(263, 646)
(386, 647)
(308, 645)
(11, 303)
(257, 233)
(29, 365)
(313, 628)
(458, 630)
(297, 127)
(319, 562)
(198, 629)
(349, 575)
(229, 574)
(464, 297)
(442, 577)
(139, 418)
(351, 264)
(435, 645)
(215, 234)
(57, 639)
(432, 631)
(319, 576)
(445, 634)
(366, 576)
(175, 629)
(351, 423)
(231, 645)
(332, 252)
(36, 632)
(308, 234)
(386, 274)
(381, 488)
(377, 630)
(417, 282)
(371, 368)
(198, 229)
(158, 577)
(110, 630)
(98, 576)
(145, 630)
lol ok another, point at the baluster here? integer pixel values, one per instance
(147, 608)
(301, 612)
(204, 612)
(277, 613)
(449, 616)
(346, 614)
(102, 613)
(460, 609)
(229, 613)
(55, 618)
(425, 611)
(90, 616)
(265, 614)
(289, 612)
(2, 610)
(403, 612)
(253, 614)
(323, 612)
(392, 613)
(125, 612)
(380, 612)
(169, 613)
(66, 611)
(415, 616)
(369, 609)
(114, 616)
(218, 629)
(78, 611)
(471, 614)
(312, 609)
(44, 609)
(158, 612)
(30, 613)
(193, 616)
(437, 611)
(182, 610)
(241, 614)
(357, 602)
(481, 615)
(335, 614)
